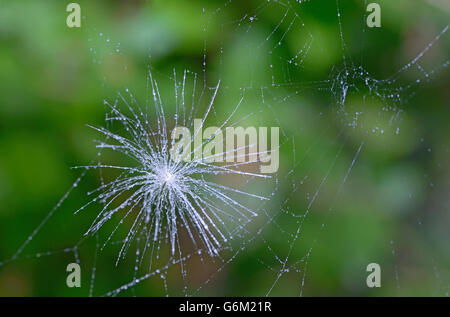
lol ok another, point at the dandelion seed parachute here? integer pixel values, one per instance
(163, 194)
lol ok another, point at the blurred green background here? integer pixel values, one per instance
(393, 209)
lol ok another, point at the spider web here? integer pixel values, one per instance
(280, 242)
